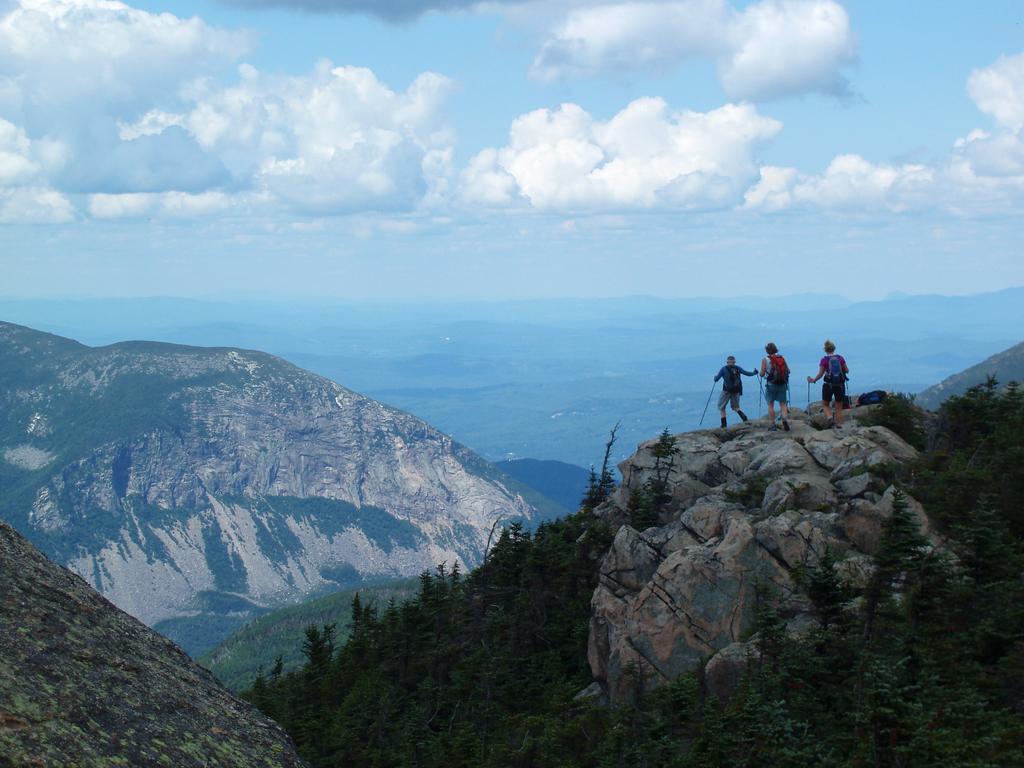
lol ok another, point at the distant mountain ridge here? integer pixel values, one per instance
(185, 481)
(548, 378)
(1006, 366)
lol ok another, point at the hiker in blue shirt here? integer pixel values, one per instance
(732, 387)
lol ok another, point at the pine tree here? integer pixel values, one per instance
(600, 486)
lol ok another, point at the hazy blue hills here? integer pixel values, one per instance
(196, 486)
(1005, 367)
(548, 378)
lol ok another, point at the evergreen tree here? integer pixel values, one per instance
(600, 486)
(923, 666)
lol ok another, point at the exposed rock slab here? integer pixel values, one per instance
(755, 505)
(82, 683)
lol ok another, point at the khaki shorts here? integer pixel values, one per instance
(729, 397)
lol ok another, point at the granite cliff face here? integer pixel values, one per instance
(82, 683)
(748, 507)
(178, 479)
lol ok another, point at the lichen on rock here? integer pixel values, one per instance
(83, 683)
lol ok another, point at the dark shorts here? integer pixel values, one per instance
(830, 391)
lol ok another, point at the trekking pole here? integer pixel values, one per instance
(760, 394)
(808, 395)
(710, 395)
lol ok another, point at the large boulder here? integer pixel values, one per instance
(84, 684)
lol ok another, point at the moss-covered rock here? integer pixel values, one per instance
(84, 684)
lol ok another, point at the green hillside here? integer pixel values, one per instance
(1005, 367)
(278, 634)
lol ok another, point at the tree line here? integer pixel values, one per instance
(921, 666)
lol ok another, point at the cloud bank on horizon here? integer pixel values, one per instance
(113, 113)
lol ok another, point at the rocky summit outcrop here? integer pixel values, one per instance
(178, 480)
(84, 684)
(747, 507)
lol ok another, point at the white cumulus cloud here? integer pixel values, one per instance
(70, 70)
(164, 205)
(850, 182)
(16, 165)
(597, 39)
(982, 174)
(786, 47)
(34, 205)
(998, 90)
(125, 107)
(770, 49)
(61, 55)
(130, 205)
(23, 160)
(333, 141)
(644, 157)
(773, 190)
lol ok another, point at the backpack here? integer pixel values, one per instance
(835, 370)
(872, 398)
(778, 370)
(732, 381)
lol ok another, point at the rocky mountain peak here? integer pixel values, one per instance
(186, 481)
(83, 683)
(744, 508)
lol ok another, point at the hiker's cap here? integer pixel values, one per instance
(730, 359)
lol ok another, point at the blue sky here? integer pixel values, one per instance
(509, 149)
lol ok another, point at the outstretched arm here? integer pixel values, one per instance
(821, 372)
(748, 373)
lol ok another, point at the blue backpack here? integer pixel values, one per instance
(872, 398)
(835, 370)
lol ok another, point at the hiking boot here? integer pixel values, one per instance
(743, 416)
(785, 425)
(773, 428)
(724, 423)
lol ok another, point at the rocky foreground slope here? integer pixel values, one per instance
(748, 507)
(178, 480)
(82, 683)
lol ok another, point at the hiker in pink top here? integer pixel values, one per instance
(833, 367)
